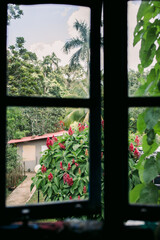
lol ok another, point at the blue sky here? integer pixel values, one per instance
(46, 28)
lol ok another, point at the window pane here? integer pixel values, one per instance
(47, 152)
(144, 155)
(143, 48)
(48, 51)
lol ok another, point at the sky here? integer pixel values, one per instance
(133, 52)
(46, 28)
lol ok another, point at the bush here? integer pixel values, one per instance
(64, 171)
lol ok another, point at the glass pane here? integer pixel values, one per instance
(143, 48)
(47, 155)
(144, 155)
(48, 51)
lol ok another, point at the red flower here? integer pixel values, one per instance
(102, 122)
(101, 154)
(69, 166)
(54, 139)
(49, 143)
(61, 166)
(81, 127)
(136, 141)
(62, 146)
(73, 161)
(136, 153)
(70, 197)
(70, 131)
(76, 164)
(84, 189)
(43, 169)
(131, 147)
(67, 179)
(78, 197)
(50, 177)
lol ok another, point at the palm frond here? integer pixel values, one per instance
(71, 44)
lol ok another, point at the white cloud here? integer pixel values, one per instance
(82, 14)
(43, 49)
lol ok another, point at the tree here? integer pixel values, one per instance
(81, 42)
(14, 12)
(24, 75)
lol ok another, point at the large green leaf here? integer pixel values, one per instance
(152, 116)
(150, 170)
(135, 192)
(149, 194)
(141, 125)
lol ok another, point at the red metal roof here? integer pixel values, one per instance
(33, 138)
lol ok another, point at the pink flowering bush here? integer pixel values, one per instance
(64, 172)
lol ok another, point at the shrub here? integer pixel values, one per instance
(64, 171)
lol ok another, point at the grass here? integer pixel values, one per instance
(34, 198)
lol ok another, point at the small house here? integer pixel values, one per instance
(30, 148)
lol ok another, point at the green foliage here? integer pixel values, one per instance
(147, 31)
(14, 12)
(148, 122)
(72, 160)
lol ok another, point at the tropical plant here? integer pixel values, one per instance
(147, 31)
(64, 172)
(82, 43)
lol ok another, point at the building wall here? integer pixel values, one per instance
(30, 153)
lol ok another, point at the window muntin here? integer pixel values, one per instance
(48, 51)
(68, 207)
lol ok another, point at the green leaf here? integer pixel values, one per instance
(76, 146)
(149, 194)
(158, 55)
(148, 149)
(158, 161)
(141, 125)
(150, 170)
(152, 116)
(56, 181)
(31, 187)
(142, 10)
(135, 192)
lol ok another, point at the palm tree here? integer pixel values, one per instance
(82, 43)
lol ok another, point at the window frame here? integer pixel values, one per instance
(66, 208)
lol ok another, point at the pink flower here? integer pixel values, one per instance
(43, 169)
(61, 166)
(78, 197)
(62, 146)
(84, 189)
(69, 166)
(136, 141)
(131, 147)
(50, 177)
(70, 131)
(73, 161)
(102, 122)
(136, 153)
(76, 164)
(81, 127)
(67, 179)
(54, 139)
(49, 143)
(101, 154)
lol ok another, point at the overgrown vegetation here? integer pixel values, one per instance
(144, 167)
